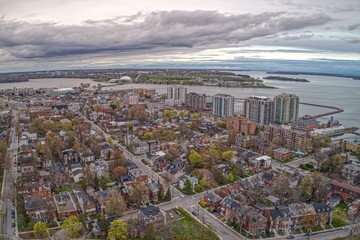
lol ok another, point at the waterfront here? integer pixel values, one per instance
(332, 91)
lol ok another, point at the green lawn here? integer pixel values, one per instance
(342, 206)
(188, 227)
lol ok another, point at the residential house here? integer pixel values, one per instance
(86, 202)
(138, 175)
(104, 148)
(281, 153)
(87, 157)
(40, 209)
(65, 205)
(141, 147)
(193, 180)
(278, 217)
(213, 200)
(154, 146)
(323, 213)
(154, 190)
(69, 156)
(252, 221)
(151, 215)
(351, 172)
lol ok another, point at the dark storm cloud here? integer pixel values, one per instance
(155, 30)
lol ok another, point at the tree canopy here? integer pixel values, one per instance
(40, 229)
(117, 230)
(72, 226)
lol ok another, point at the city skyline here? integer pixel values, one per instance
(280, 35)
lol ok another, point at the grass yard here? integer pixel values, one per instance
(187, 227)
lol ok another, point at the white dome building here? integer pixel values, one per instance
(125, 78)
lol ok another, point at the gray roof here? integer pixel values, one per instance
(151, 211)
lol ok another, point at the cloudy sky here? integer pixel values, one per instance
(293, 35)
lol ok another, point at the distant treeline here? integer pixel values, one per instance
(286, 79)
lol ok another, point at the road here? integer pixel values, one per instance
(8, 195)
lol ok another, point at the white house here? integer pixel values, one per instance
(193, 180)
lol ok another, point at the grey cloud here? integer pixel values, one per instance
(354, 27)
(145, 31)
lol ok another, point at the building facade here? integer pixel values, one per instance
(259, 109)
(241, 125)
(287, 137)
(223, 105)
(196, 101)
(177, 93)
(286, 108)
(131, 99)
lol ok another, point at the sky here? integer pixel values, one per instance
(275, 35)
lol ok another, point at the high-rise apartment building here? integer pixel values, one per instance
(223, 105)
(259, 109)
(177, 93)
(286, 108)
(195, 101)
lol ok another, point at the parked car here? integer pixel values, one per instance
(308, 234)
(13, 224)
(290, 237)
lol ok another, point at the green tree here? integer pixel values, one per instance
(118, 230)
(230, 176)
(169, 114)
(147, 136)
(150, 234)
(307, 187)
(194, 116)
(161, 192)
(228, 155)
(204, 183)
(167, 196)
(182, 114)
(72, 226)
(187, 187)
(196, 159)
(40, 229)
(214, 155)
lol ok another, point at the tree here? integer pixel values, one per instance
(150, 234)
(307, 187)
(40, 229)
(161, 192)
(169, 114)
(308, 221)
(117, 230)
(118, 171)
(182, 114)
(196, 159)
(117, 204)
(72, 226)
(228, 155)
(118, 157)
(147, 136)
(187, 187)
(54, 144)
(204, 183)
(139, 193)
(167, 196)
(214, 155)
(194, 116)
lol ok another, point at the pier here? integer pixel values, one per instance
(335, 109)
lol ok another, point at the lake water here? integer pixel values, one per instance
(332, 91)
